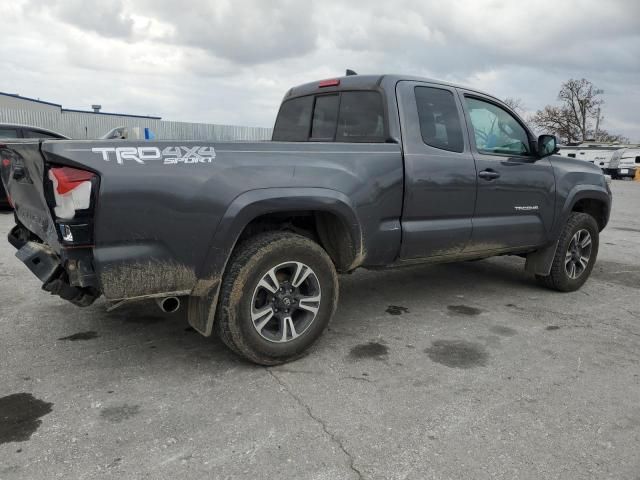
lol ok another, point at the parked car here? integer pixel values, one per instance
(363, 171)
(13, 131)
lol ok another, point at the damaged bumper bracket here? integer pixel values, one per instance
(40, 259)
(45, 264)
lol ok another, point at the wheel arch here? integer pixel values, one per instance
(264, 209)
(587, 199)
(582, 198)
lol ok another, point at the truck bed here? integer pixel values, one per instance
(166, 213)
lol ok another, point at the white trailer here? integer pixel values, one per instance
(602, 155)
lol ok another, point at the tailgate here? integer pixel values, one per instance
(22, 170)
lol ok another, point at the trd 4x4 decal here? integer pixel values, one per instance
(170, 155)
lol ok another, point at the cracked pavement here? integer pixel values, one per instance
(444, 372)
(322, 424)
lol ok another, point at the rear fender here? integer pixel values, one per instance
(245, 208)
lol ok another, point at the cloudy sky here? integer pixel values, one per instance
(224, 61)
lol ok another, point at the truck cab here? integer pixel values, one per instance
(474, 182)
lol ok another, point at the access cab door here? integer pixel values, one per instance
(516, 190)
(440, 174)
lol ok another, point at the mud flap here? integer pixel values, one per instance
(540, 261)
(202, 310)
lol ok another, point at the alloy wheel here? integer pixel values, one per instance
(285, 302)
(578, 254)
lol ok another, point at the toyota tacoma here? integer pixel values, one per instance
(362, 171)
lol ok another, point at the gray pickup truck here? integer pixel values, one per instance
(362, 171)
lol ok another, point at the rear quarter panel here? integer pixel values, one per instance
(156, 222)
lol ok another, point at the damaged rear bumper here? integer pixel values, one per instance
(69, 279)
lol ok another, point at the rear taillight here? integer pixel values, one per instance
(71, 190)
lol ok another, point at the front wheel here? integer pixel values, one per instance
(575, 255)
(278, 295)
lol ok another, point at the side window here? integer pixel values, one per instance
(439, 120)
(361, 117)
(293, 122)
(495, 130)
(325, 115)
(36, 134)
(8, 133)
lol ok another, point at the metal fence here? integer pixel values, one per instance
(79, 125)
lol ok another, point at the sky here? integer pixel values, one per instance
(231, 62)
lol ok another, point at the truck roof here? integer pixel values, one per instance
(368, 82)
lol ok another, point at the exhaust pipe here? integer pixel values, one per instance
(168, 304)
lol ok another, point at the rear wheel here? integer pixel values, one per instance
(278, 295)
(575, 256)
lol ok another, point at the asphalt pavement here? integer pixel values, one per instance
(461, 371)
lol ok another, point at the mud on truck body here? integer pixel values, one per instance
(362, 171)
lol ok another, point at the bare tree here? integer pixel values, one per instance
(606, 137)
(577, 116)
(516, 104)
(582, 99)
(556, 120)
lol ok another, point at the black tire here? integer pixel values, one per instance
(558, 278)
(248, 265)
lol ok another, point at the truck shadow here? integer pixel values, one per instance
(443, 279)
(140, 332)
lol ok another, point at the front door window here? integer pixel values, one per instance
(495, 130)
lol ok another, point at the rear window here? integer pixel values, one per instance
(293, 120)
(361, 118)
(325, 117)
(343, 117)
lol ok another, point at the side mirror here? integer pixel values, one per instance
(547, 145)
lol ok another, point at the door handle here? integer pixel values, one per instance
(488, 174)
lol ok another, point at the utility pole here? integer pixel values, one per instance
(597, 124)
